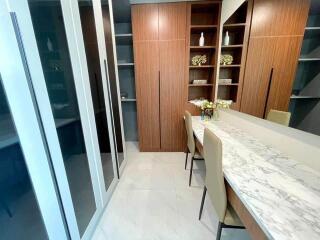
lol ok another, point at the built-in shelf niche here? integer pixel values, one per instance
(209, 33)
(237, 26)
(228, 92)
(230, 73)
(205, 14)
(305, 99)
(235, 52)
(125, 61)
(209, 53)
(201, 74)
(204, 18)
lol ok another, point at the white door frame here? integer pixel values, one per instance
(114, 44)
(105, 193)
(14, 72)
(84, 104)
(103, 56)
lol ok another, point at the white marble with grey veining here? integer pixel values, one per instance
(282, 195)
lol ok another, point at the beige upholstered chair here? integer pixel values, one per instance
(214, 184)
(279, 117)
(195, 155)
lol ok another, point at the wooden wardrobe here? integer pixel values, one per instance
(277, 30)
(159, 41)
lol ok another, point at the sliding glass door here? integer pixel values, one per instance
(66, 76)
(70, 78)
(99, 94)
(30, 207)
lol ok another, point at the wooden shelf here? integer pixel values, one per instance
(306, 59)
(201, 85)
(304, 97)
(202, 66)
(123, 35)
(230, 66)
(202, 47)
(234, 25)
(203, 27)
(125, 64)
(128, 100)
(230, 84)
(312, 28)
(232, 46)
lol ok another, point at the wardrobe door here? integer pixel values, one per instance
(172, 25)
(145, 20)
(285, 60)
(257, 76)
(146, 56)
(279, 17)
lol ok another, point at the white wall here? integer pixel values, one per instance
(228, 8)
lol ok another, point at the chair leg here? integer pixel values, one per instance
(185, 164)
(191, 167)
(219, 231)
(202, 201)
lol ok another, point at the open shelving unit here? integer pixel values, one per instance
(203, 16)
(305, 99)
(125, 62)
(238, 27)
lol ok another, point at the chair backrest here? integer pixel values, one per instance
(279, 117)
(191, 144)
(216, 188)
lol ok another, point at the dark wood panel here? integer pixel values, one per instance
(275, 18)
(145, 21)
(285, 63)
(172, 21)
(146, 58)
(173, 94)
(257, 76)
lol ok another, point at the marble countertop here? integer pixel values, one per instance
(281, 194)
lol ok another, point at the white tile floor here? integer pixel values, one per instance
(153, 201)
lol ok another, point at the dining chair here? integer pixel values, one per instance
(191, 145)
(279, 117)
(214, 184)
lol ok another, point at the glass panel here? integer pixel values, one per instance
(20, 217)
(52, 44)
(92, 54)
(112, 78)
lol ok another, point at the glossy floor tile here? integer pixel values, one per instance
(153, 202)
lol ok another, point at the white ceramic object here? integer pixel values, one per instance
(201, 40)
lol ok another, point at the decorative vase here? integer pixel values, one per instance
(215, 116)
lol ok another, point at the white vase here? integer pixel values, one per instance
(201, 40)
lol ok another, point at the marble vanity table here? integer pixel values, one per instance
(275, 191)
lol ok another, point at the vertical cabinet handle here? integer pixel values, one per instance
(159, 92)
(112, 119)
(268, 93)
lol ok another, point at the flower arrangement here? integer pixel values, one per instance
(199, 59)
(210, 109)
(226, 59)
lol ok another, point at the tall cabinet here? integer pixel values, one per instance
(159, 55)
(273, 53)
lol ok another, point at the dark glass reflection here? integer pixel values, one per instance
(92, 54)
(20, 216)
(54, 53)
(112, 78)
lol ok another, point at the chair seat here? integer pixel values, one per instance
(232, 218)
